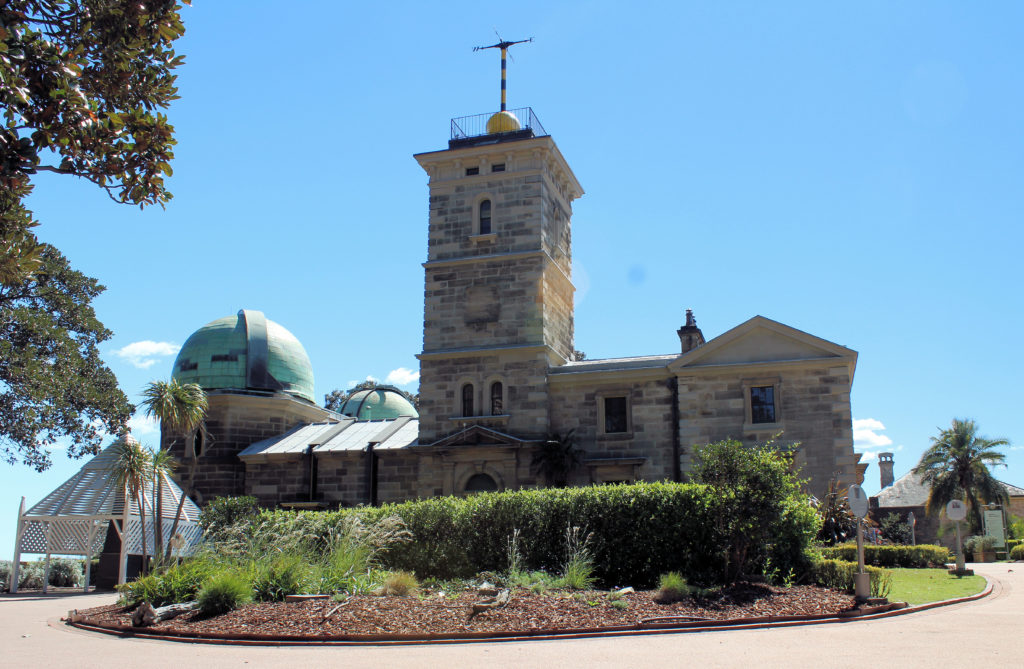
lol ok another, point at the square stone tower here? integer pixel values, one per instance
(498, 296)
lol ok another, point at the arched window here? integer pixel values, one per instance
(481, 483)
(467, 399)
(485, 217)
(497, 402)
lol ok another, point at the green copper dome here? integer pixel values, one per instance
(245, 352)
(377, 404)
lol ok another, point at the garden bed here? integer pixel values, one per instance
(439, 613)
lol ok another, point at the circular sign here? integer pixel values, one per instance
(858, 501)
(911, 519)
(956, 510)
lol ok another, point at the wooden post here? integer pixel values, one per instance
(19, 530)
(123, 558)
(46, 571)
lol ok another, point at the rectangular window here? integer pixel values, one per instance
(498, 167)
(762, 404)
(615, 415)
(470, 171)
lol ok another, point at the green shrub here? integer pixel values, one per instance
(637, 532)
(838, 575)
(30, 576)
(279, 576)
(225, 591)
(172, 584)
(672, 587)
(5, 575)
(65, 572)
(1017, 552)
(914, 557)
(978, 544)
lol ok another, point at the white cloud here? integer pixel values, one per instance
(353, 384)
(866, 434)
(142, 425)
(144, 354)
(402, 376)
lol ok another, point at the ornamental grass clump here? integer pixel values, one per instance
(224, 591)
(280, 576)
(672, 587)
(578, 571)
(400, 584)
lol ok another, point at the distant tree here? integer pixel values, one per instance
(956, 466)
(895, 529)
(556, 457)
(81, 83)
(334, 400)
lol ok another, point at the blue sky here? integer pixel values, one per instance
(850, 170)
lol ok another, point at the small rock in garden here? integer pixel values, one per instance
(625, 591)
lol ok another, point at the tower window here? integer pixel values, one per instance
(498, 167)
(485, 217)
(470, 171)
(467, 399)
(497, 401)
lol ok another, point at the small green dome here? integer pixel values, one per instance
(245, 352)
(377, 404)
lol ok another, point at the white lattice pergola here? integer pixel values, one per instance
(73, 519)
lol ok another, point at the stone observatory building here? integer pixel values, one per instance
(499, 372)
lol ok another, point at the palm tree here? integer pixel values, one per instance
(161, 465)
(556, 458)
(132, 467)
(957, 467)
(180, 407)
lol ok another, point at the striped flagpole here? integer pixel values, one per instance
(504, 51)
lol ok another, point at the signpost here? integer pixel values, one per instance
(912, 520)
(859, 506)
(993, 516)
(957, 511)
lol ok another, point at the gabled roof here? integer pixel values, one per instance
(762, 340)
(478, 434)
(335, 437)
(909, 490)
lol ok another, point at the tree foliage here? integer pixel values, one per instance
(81, 86)
(956, 466)
(837, 520)
(53, 383)
(334, 400)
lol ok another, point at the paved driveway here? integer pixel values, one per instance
(986, 633)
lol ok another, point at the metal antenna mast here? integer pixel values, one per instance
(503, 45)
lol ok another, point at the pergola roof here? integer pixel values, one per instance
(73, 518)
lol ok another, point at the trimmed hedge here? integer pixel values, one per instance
(638, 532)
(838, 575)
(1017, 552)
(916, 557)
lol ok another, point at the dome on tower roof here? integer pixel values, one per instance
(246, 351)
(377, 404)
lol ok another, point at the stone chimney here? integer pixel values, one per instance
(690, 335)
(885, 463)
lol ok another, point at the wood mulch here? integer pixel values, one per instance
(433, 612)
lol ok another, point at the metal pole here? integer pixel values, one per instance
(959, 549)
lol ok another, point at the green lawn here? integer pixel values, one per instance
(920, 586)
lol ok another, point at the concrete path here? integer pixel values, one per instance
(986, 633)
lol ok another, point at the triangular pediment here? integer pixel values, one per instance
(762, 340)
(478, 435)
